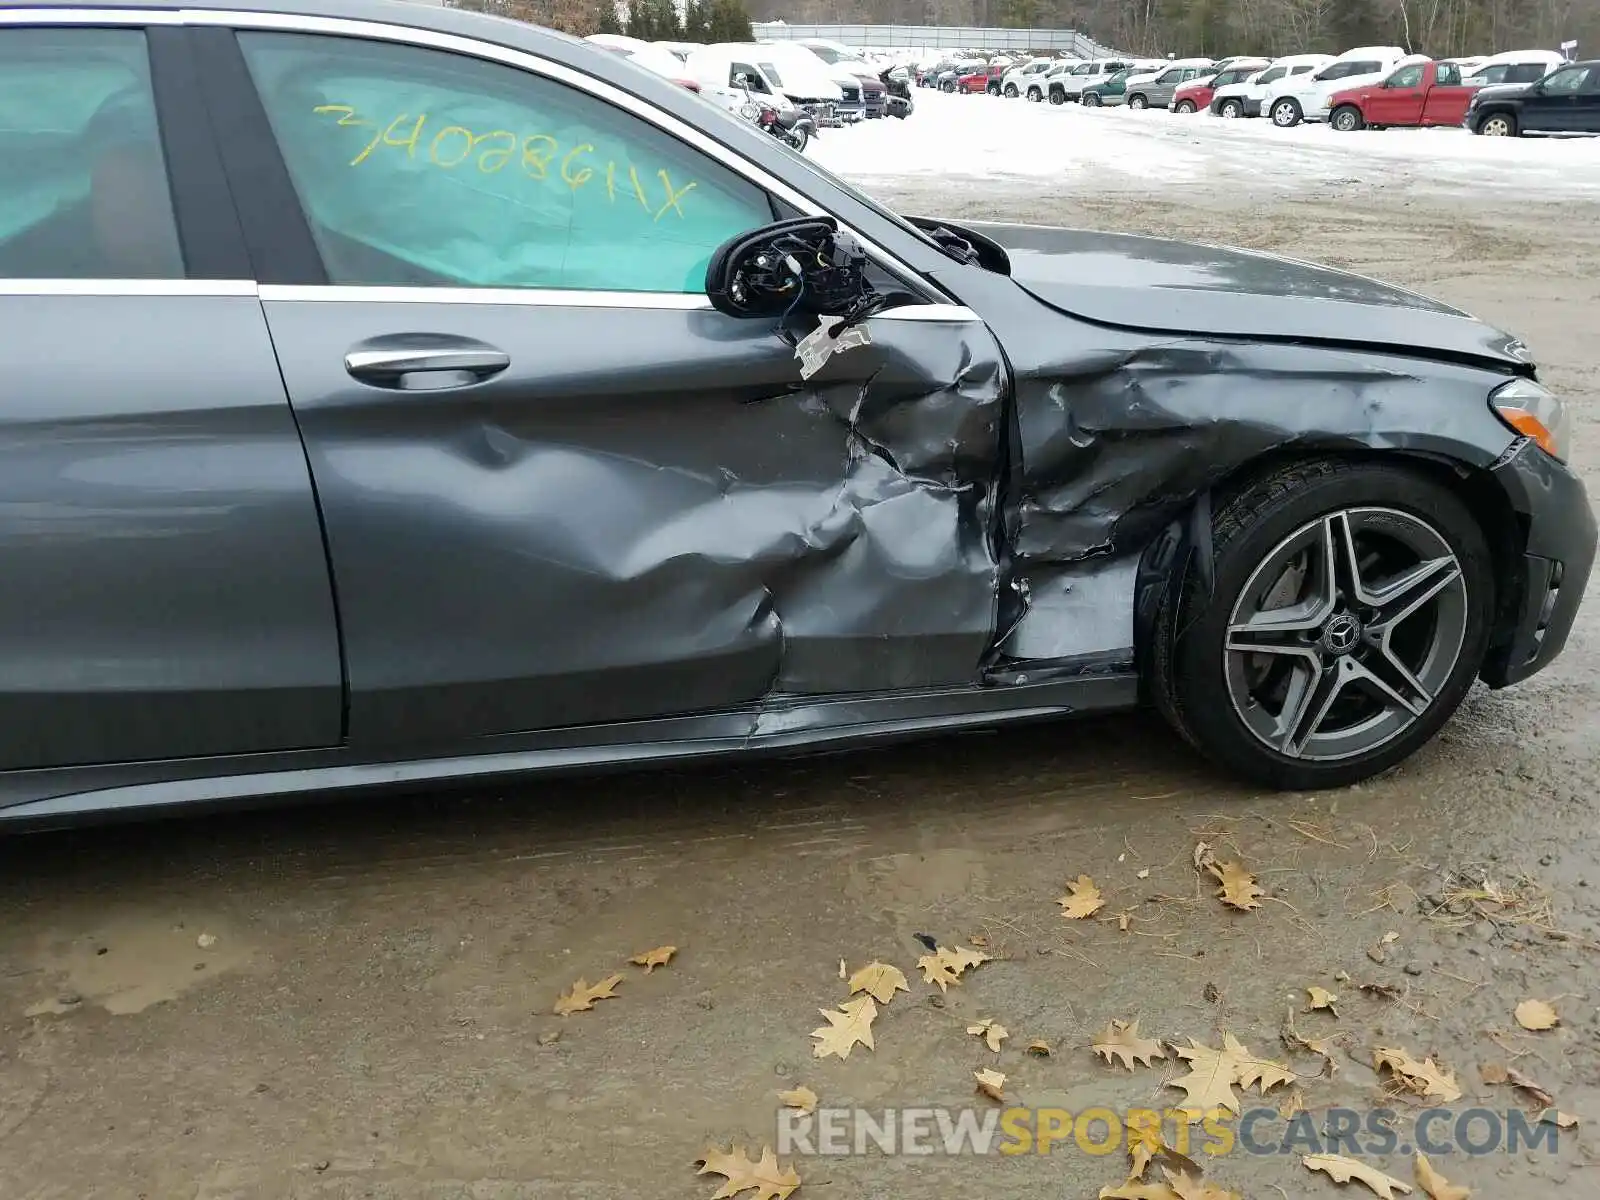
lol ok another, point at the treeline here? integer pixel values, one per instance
(650, 20)
(1217, 27)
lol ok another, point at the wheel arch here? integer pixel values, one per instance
(1164, 561)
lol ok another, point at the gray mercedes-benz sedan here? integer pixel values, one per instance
(397, 394)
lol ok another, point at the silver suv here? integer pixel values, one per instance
(1157, 92)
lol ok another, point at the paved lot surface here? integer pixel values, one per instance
(355, 1001)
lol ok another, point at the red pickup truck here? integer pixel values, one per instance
(1429, 93)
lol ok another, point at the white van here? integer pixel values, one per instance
(1514, 66)
(1244, 99)
(749, 68)
(828, 93)
(1305, 97)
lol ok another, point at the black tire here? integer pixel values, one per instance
(1186, 668)
(993, 89)
(1346, 119)
(1091, 100)
(1057, 96)
(1285, 113)
(1034, 96)
(1231, 108)
(1137, 102)
(1184, 106)
(1497, 124)
(1011, 91)
(798, 140)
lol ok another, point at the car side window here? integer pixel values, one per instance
(420, 167)
(1570, 80)
(1272, 76)
(1407, 78)
(1449, 75)
(83, 189)
(1300, 70)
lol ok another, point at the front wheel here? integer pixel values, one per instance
(1057, 96)
(1286, 113)
(1091, 100)
(1011, 91)
(1232, 109)
(1498, 125)
(798, 140)
(1346, 118)
(993, 89)
(1034, 95)
(1348, 613)
(1184, 106)
(1137, 101)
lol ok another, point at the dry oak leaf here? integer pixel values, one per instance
(1082, 900)
(1204, 856)
(851, 1023)
(1238, 888)
(581, 996)
(801, 1097)
(880, 981)
(1426, 1078)
(1342, 1170)
(1560, 1120)
(991, 1083)
(651, 959)
(1040, 1049)
(993, 1034)
(1522, 1083)
(1209, 1083)
(768, 1180)
(1537, 1015)
(1249, 1069)
(1435, 1185)
(1138, 1189)
(1178, 1185)
(1121, 1040)
(945, 965)
(1322, 999)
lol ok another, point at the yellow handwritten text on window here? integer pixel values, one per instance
(535, 156)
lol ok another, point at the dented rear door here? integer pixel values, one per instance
(558, 488)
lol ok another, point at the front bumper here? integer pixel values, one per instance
(1548, 585)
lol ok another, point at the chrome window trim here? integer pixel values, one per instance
(526, 297)
(455, 43)
(941, 314)
(128, 287)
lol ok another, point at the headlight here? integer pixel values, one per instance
(1535, 412)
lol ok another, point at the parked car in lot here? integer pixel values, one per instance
(364, 478)
(973, 82)
(1195, 96)
(950, 79)
(1513, 66)
(1565, 103)
(1244, 98)
(1067, 87)
(1112, 90)
(1426, 93)
(1155, 91)
(1306, 97)
(1015, 81)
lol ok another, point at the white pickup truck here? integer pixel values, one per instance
(1244, 99)
(1305, 97)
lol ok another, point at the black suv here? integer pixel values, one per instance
(1565, 103)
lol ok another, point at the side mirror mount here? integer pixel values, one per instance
(803, 265)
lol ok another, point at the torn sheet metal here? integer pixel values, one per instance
(648, 513)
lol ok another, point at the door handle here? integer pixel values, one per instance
(424, 361)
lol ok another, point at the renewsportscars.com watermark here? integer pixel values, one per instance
(1357, 1133)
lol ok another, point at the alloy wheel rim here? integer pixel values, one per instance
(1283, 114)
(1495, 127)
(1344, 634)
(1346, 122)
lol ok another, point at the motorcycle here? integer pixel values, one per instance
(896, 80)
(793, 128)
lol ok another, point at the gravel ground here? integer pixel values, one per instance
(355, 1001)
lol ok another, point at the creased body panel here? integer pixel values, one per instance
(646, 514)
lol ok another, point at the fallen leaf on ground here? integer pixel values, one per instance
(1138, 1189)
(1145, 1145)
(849, 1025)
(1204, 856)
(990, 1032)
(946, 964)
(800, 1097)
(1292, 1102)
(1322, 999)
(769, 1181)
(1083, 899)
(991, 1083)
(842, 971)
(1291, 1037)
(978, 940)
(1121, 1040)
(1386, 990)
(1436, 1185)
(651, 959)
(1040, 1049)
(1249, 1068)
(1499, 1073)
(1342, 1170)
(1426, 1078)
(1187, 1186)
(582, 995)
(880, 981)
(1238, 888)
(1123, 921)
(1144, 874)
(1209, 1083)
(1537, 1015)
(1560, 1120)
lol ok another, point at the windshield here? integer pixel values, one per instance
(828, 56)
(771, 72)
